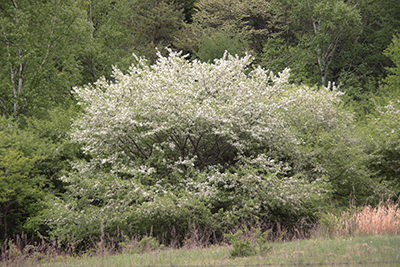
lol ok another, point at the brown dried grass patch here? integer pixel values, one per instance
(384, 219)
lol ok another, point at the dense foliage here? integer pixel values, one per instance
(209, 139)
(182, 141)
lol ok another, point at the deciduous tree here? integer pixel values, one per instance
(248, 22)
(40, 41)
(324, 28)
(211, 142)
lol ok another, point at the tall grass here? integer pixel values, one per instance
(384, 219)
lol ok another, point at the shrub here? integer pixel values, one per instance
(240, 248)
(248, 244)
(181, 142)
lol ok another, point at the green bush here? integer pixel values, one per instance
(213, 144)
(240, 248)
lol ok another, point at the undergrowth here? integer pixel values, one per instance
(384, 219)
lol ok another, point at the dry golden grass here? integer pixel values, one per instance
(381, 220)
(384, 219)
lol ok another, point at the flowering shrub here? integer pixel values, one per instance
(181, 142)
(176, 114)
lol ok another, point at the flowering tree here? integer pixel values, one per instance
(181, 141)
(176, 114)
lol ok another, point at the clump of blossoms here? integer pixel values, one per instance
(177, 113)
(183, 141)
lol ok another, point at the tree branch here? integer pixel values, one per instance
(51, 35)
(136, 145)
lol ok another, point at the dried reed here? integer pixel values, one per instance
(384, 219)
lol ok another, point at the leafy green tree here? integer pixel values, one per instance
(18, 191)
(249, 22)
(362, 66)
(109, 40)
(40, 41)
(278, 53)
(381, 131)
(188, 8)
(21, 186)
(104, 42)
(382, 126)
(393, 80)
(214, 46)
(34, 153)
(149, 24)
(324, 28)
(356, 61)
(52, 130)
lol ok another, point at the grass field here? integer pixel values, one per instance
(363, 237)
(345, 251)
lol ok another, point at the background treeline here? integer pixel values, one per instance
(49, 47)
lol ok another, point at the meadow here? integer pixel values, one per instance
(361, 237)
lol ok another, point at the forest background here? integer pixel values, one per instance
(52, 188)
